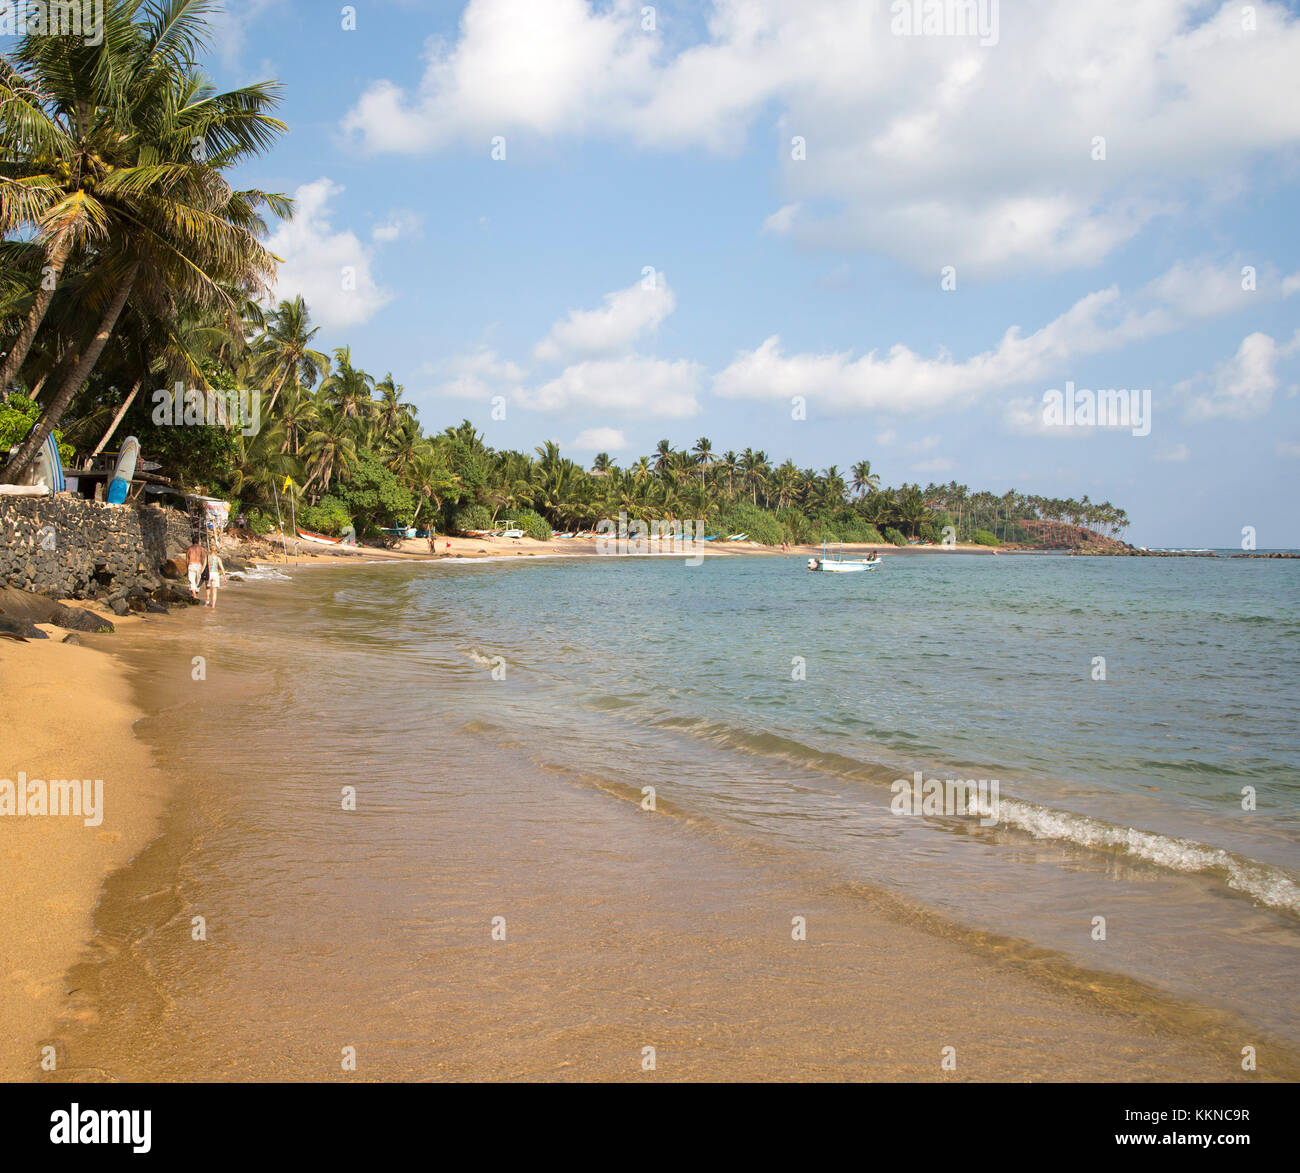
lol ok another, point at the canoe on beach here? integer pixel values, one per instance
(308, 536)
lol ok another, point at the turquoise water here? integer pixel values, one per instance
(763, 702)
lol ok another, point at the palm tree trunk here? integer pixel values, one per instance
(72, 384)
(27, 335)
(270, 407)
(117, 419)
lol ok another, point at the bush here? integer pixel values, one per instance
(759, 524)
(472, 517)
(894, 537)
(328, 516)
(373, 495)
(258, 522)
(982, 537)
(533, 524)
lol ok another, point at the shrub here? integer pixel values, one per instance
(982, 537)
(472, 517)
(373, 495)
(533, 524)
(328, 516)
(743, 518)
(258, 522)
(894, 537)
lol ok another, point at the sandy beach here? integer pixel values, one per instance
(52, 868)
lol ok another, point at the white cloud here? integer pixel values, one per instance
(782, 220)
(600, 440)
(903, 381)
(1290, 284)
(1240, 388)
(625, 316)
(1175, 455)
(396, 225)
(634, 384)
(1288, 450)
(908, 149)
(331, 269)
(477, 375)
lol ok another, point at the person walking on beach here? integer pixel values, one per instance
(433, 542)
(194, 565)
(216, 568)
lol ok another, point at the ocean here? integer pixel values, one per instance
(645, 767)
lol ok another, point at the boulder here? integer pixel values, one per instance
(72, 638)
(119, 606)
(75, 619)
(20, 628)
(175, 568)
(33, 608)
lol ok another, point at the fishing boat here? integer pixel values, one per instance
(838, 565)
(308, 536)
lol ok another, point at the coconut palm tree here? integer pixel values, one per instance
(284, 352)
(148, 140)
(864, 480)
(348, 388)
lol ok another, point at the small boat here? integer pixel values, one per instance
(308, 536)
(838, 565)
(400, 531)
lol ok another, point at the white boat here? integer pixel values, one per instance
(839, 565)
(836, 567)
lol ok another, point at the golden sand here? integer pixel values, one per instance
(65, 713)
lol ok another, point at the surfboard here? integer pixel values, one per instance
(47, 469)
(123, 471)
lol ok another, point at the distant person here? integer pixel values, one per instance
(216, 568)
(194, 565)
(433, 542)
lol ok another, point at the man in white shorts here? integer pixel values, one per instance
(195, 558)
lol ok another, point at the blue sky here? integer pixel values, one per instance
(673, 150)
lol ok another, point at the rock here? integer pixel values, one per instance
(33, 608)
(20, 628)
(233, 563)
(119, 606)
(72, 638)
(75, 619)
(174, 568)
(155, 608)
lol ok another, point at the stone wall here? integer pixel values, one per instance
(72, 548)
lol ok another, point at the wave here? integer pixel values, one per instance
(1269, 884)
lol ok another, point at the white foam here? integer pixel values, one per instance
(1268, 884)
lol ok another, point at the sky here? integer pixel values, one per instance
(829, 230)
